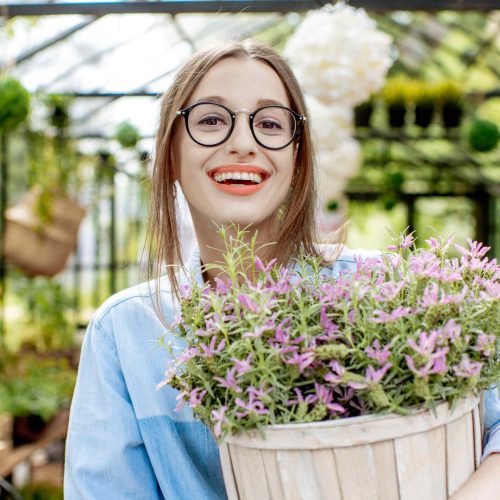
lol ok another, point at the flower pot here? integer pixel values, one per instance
(417, 457)
(423, 115)
(363, 114)
(397, 116)
(41, 250)
(452, 115)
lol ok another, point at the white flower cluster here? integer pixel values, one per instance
(340, 58)
(339, 55)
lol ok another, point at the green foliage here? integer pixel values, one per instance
(483, 135)
(14, 104)
(397, 91)
(42, 492)
(127, 135)
(45, 325)
(58, 106)
(30, 385)
(449, 92)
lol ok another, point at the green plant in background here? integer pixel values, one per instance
(396, 95)
(42, 492)
(451, 99)
(483, 135)
(30, 385)
(45, 325)
(127, 135)
(14, 104)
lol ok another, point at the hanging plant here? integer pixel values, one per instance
(483, 135)
(14, 104)
(127, 135)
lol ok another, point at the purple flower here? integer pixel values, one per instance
(426, 343)
(248, 303)
(195, 397)
(186, 292)
(404, 242)
(300, 397)
(375, 376)
(335, 376)
(211, 350)
(325, 396)
(435, 365)
(259, 393)
(260, 266)
(301, 360)
(485, 344)
(188, 354)
(230, 381)
(259, 330)
(467, 368)
(377, 353)
(328, 325)
(242, 365)
(222, 287)
(452, 330)
(253, 406)
(389, 291)
(383, 317)
(219, 418)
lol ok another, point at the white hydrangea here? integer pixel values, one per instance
(339, 55)
(330, 124)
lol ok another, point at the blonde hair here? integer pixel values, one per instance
(297, 225)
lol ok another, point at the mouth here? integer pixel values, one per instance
(239, 179)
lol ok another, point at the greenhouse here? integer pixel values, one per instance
(401, 120)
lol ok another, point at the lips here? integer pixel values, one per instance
(238, 179)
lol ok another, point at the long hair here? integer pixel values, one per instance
(296, 228)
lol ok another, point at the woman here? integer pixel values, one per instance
(234, 136)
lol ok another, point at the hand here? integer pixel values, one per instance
(484, 483)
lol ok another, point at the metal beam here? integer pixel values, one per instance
(213, 6)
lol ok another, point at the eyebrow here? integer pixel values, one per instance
(222, 100)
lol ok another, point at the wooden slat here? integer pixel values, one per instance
(387, 473)
(459, 452)
(327, 475)
(250, 474)
(421, 466)
(227, 471)
(352, 431)
(356, 468)
(273, 477)
(478, 437)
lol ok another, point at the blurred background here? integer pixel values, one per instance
(406, 119)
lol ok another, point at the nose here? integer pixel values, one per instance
(241, 143)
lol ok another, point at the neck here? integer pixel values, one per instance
(212, 249)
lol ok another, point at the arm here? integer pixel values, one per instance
(484, 484)
(105, 454)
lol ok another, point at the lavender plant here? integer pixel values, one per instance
(408, 329)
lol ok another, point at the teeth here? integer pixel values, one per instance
(238, 176)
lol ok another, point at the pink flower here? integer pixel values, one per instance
(377, 353)
(467, 368)
(195, 397)
(485, 344)
(374, 376)
(325, 396)
(211, 350)
(219, 418)
(389, 291)
(435, 365)
(253, 406)
(335, 376)
(404, 242)
(426, 343)
(222, 287)
(248, 303)
(188, 354)
(301, 360)
(230, 381)
(242, 365)
(328, 325)
(260, 266)
(452, 330)
(383, 317)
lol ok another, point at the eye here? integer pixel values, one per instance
(212, 121)
(269, 124)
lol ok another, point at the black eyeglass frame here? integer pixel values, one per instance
(299, 121)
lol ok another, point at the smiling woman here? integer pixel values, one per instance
(234, 136)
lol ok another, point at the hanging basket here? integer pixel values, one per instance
(41, 250)
(417, 457)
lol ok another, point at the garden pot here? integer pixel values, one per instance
(423, 456)
(423, 115)
(363, 114)
(41, 250)
(397, 116)
(452, 115)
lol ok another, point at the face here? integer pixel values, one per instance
(238, 181)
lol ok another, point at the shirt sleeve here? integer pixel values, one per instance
(491, 422)
(105, 453)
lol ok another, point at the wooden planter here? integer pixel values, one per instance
(417, 457)
(41, 250)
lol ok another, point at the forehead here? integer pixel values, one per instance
(241, 83)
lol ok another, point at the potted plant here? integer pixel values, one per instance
(127, 135)
(396, 95)
(424, 98)
(451, 98)
(363, 113)
(14, 104)
(33, 391)
(41, 229)
(319, 385)
(483, 135)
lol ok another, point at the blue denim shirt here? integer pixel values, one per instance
(125, 441)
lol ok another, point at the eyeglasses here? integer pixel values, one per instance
(210, 124)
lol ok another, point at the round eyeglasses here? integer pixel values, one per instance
(210, 124)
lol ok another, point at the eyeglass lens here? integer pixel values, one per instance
(210, 124)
